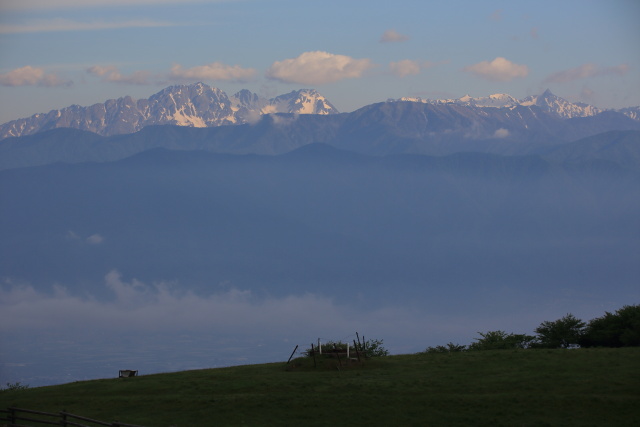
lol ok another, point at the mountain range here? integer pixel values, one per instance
(196, 105)
(547, 102)
(199, 105)
(386, 128)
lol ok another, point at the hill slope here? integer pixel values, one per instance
(487, 388)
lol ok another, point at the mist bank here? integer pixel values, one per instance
(385, 228)
(171, 260)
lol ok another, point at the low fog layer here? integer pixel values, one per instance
(176, 260)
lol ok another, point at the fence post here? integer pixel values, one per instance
(63, 414)
(292, 353)
(12, 415)
(356, 347)
(338, 355)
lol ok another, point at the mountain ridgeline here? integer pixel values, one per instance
(198, 117)
(196, 105)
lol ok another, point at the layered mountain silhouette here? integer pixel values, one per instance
(199, 105)
(377, 129)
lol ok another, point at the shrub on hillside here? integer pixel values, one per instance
(15, 386)
(561, 333)
(619, 329)
(449, 348)
(500, 340)
(375, 348)
(370, 348)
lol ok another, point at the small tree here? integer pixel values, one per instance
(374, 348)
(15, 386)
(500, 340)
(561, 333)
(449, 348)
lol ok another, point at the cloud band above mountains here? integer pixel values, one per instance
(31, 76)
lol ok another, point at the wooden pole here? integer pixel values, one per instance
(292, 353)
(358, 336)
(337, 355)
(356, 347)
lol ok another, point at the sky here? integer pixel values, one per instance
(55, 53)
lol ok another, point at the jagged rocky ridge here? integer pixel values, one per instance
(196, 105)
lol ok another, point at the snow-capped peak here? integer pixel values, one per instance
(560, 106)
(195, 105)
(303, 101)
(547, 101)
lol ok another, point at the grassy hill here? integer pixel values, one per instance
(585, 387)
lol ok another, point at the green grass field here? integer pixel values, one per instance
(584, 387)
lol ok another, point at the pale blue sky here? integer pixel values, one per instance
(57, 53)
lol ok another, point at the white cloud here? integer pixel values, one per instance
(586, 71)
(213, 71)
(392, 36)
(113, 75)
(408, 67)
(31, 76)
(95, 239)
(501, 133)
(318, 68)
(54, 25)
(500, 69)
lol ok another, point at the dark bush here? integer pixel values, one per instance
(561, 333)
(500, 340)
(619, 329)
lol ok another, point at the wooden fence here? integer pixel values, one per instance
(17, 417)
